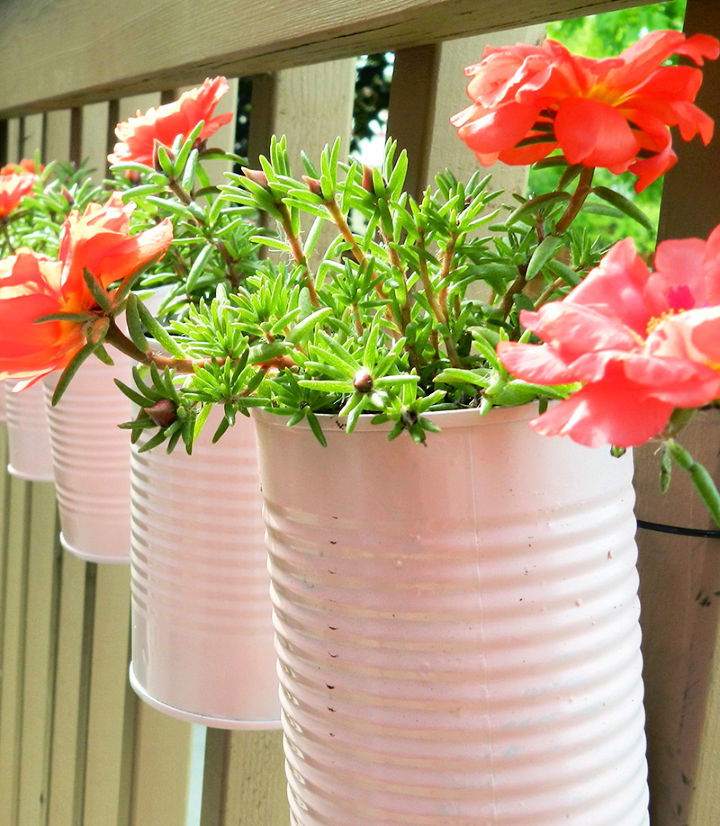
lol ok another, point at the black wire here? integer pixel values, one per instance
(657, 526)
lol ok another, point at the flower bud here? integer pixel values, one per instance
(367, 180)
(313, 185)
(67, 195)
(157, 166)
(163, 412)
(257, 176)
(98, 330)
(363, 381)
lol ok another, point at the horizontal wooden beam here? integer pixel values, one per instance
(72, 52)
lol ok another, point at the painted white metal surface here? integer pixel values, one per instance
(202, 634)
(457, 626)
(30, 457)
(91, 458)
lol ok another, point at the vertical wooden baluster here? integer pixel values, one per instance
(74, 638)
(680, 575)
(428, 86)
(4, 527)
(40, 653)
(57, 135)
(7, 581)
(41, 611)
(13, 647)
(244, 778)
(31, 136)
(72, 631)
(224, 138)
(95, 137)
(111, 704)
(161, 748)
(13, 140)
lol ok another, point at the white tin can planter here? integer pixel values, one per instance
(3, 400)
(29, 453)
(457, 626)
(91, 458)
(202, 638)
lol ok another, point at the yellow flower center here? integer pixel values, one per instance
(655, 321)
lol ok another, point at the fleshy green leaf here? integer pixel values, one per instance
(624, 205)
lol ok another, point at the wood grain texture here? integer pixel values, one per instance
(13, 140)
(105, 56)
(4, 530)
(257, 791)
(40, 651)
(111, 715)
(132, 104)
(57, 135)
(310, 105)
(680, 576)
(74, 634)
(705, 805)
(160, 769)
(31, 136)
(13, 648)
(95, 136)
(680, 583)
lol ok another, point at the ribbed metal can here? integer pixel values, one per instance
(91, 459)
(202, 638)
(3, 401)
(457, 625)
(29, 454)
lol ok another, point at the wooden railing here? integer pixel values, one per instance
(76, 746)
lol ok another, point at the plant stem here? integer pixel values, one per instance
(297, 251)
(8, 240)
(341, 223)
(548, 291)
(447, 258)
(186, 198)
(577, 200)
(439, 311)
(515, 288)
(701, 479)
(121, 342)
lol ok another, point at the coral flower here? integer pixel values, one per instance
(640, 343)
(13, 188)
(137, 135)
(31, 287)
(99, 240)
(25, 165)
(614, 113)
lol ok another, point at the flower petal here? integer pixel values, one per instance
(593, 133)
(536, 363)
(611, 412)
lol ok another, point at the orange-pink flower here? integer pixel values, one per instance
(13, 188)
(640, 343)
(615, 113)
(25, 165)
(31, 287)
(99, 240)
(137, 135)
